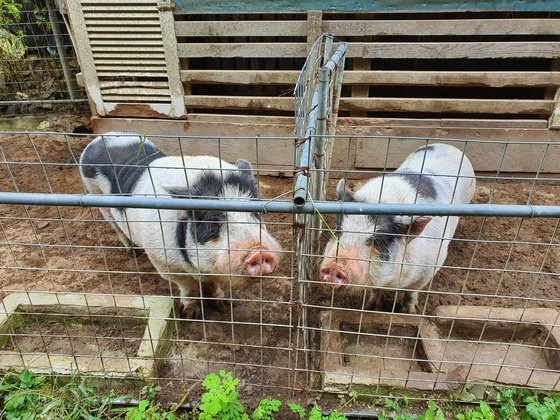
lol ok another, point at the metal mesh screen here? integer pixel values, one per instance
(38, 64)
(74, 298)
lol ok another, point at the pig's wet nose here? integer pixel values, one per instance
(335, 276)
(260, 263)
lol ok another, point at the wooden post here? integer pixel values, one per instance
(554, 121)
(60, 50)
(361, 91)
(314, 27)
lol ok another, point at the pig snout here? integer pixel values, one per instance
(260, 262)
(334, 274)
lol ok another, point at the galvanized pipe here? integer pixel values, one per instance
(264, 206)
(302, 179)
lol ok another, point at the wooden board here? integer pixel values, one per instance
(482, 106)
(277, 154)
(425, 50)
(381, 77)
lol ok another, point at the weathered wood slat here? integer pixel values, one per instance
(241, 28)
(121, 83)
(127, 48)
(130, 55)
(153, 75)
(124, 62)
(424, 50)
(381, 77)
(119, 7)
(483, 106)
(456, 50)
(131, 98)
(138, 29)
(122, 22)
(278, 153)
(443, 27)
(125, 43)
(260, 50)
(120, 14)
(377, 122)
(128, 36)
(137, 91)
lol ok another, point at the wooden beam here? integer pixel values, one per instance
(381, 77)
(443, 27)
(314, 27)
(432, 50)
(441, 50)
(277, 154)
(555, 117)
(377, 122)
(360, 90)
(241, 28)
(479, 106)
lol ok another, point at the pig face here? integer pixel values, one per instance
(369, 250)
(226, 242)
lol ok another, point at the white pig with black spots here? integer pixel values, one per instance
(186, 247)
(398, 251)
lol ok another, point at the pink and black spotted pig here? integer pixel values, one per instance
(399, 251)
(186, 247)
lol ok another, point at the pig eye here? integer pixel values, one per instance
(370, 241)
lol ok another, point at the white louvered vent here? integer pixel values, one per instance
(125, 42)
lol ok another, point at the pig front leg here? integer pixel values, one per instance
(410, 302)
(376, 300)
(188, 288)
(122, 236)
(212, 289)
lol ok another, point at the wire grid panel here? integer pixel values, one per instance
(38, 65)
(488, 297)
(488, 314)
(245, 325)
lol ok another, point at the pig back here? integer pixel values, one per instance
(452, 173)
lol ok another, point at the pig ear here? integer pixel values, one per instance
(243, 165)
(342, 193)
(416, 227)
(177, 191)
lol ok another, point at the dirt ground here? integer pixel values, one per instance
(72, 249)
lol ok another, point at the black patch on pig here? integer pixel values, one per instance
(346, 197)
(386, 233)
(181, 234)
(423, 149)
(121, 165)
(207, 225)
(422, 183)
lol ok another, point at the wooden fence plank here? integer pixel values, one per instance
(260, 50)
(241, 28)
(443, 27)
(378, 122)
(483, 106)
(423, 50)
(455, 50)
(381, 77)
(279, 152)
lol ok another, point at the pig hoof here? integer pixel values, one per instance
(190, 309)
(219, 305)
(410, 308)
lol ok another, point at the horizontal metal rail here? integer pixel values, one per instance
(267, 206)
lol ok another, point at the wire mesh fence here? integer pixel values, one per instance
(38, 64)
(210, 279)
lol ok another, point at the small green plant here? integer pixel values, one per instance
(483, 412)
(221, 399)
(266, 409)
